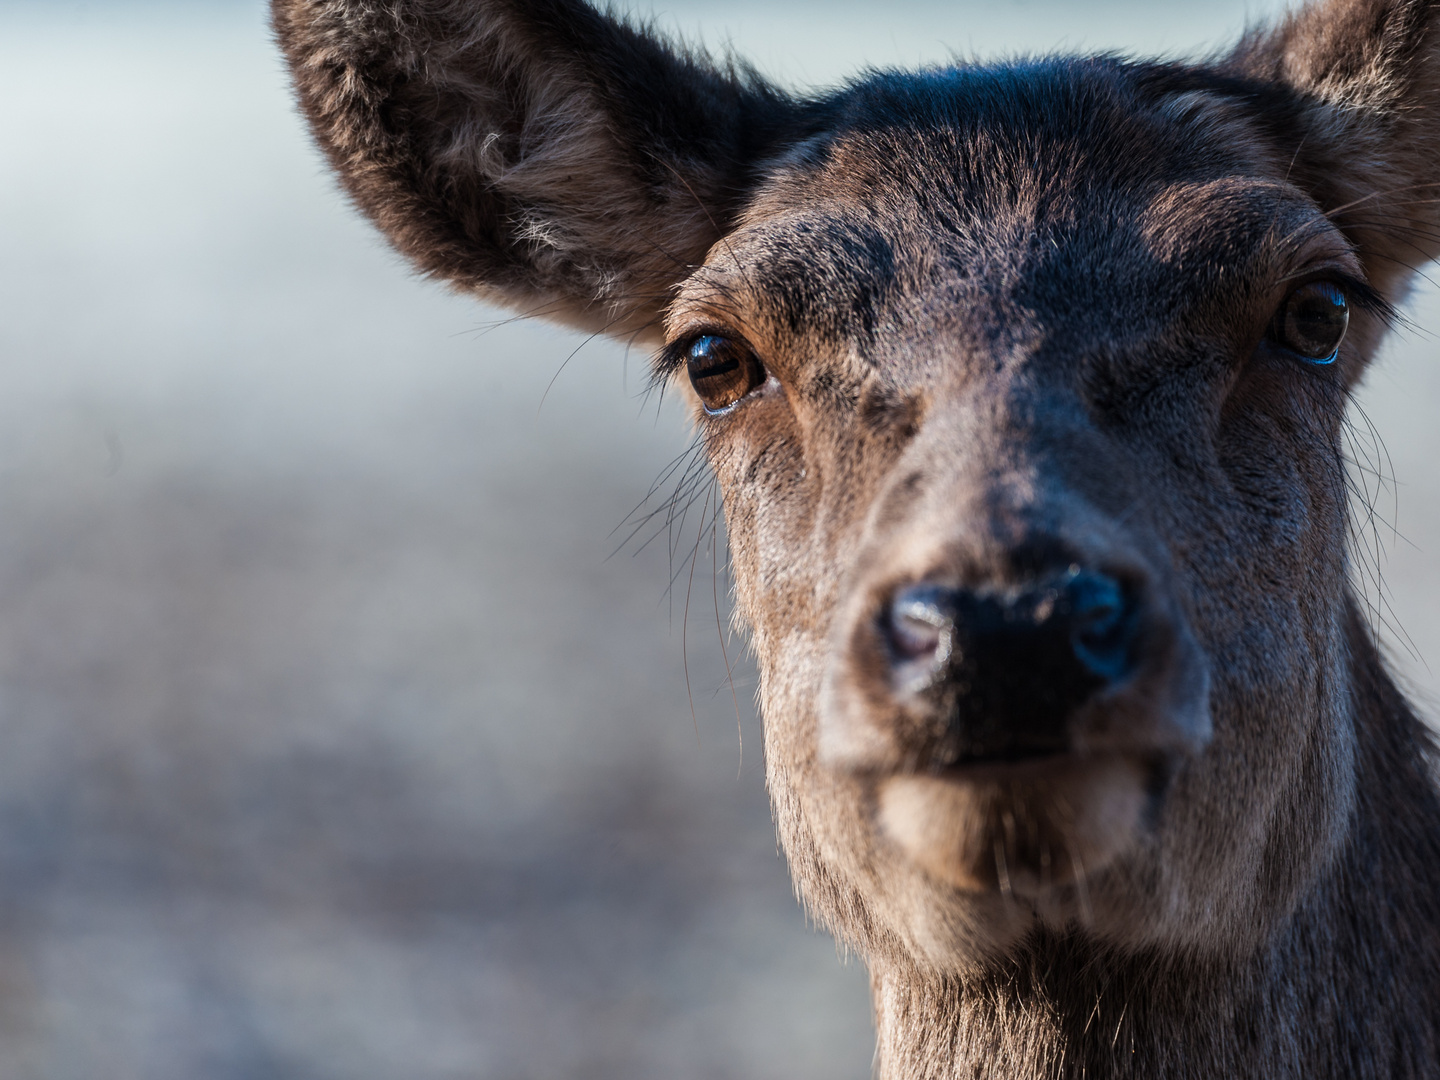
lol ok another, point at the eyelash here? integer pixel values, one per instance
(1359, 293)
(673, 357)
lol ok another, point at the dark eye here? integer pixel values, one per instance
(1312, 321)
(723, 371)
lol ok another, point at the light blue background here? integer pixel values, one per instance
(332, 744)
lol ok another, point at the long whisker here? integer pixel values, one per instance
(1379, 193)
(720, 633)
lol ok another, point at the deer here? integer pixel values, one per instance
(1024, 386)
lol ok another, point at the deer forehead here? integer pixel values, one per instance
(977, 209)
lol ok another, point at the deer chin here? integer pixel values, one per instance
(1023, 829)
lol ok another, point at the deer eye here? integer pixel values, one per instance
(722, 371)
(1312, 321)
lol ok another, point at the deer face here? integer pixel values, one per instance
(1023, 386)
(1036, 507)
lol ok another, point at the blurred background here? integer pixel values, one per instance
(334, 741)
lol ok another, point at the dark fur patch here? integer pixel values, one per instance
(535, 152)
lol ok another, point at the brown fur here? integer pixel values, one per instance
(1011, 318)
(487, 142)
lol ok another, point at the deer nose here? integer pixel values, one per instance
(1007, 668)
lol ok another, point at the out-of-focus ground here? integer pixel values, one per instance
(333, 744)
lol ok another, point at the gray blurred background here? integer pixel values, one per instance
(334, 743)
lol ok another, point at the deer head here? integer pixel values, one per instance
(1023, 385)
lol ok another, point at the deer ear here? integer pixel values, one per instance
(536, 152)
(1363, 82)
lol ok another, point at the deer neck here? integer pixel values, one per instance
(1067, 1005)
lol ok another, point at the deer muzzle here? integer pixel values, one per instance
(1063, 698)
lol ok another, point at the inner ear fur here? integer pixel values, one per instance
(1364, 76)
(536, 152)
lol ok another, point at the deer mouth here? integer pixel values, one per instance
(1020, 828)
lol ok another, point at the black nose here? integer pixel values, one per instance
(1005, 669)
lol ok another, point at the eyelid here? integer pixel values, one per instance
(1357, 291)
(673, 357)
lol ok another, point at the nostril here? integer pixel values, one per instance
(920, 624)
(1005, 670)
(1102, 623)
(1083, 622)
